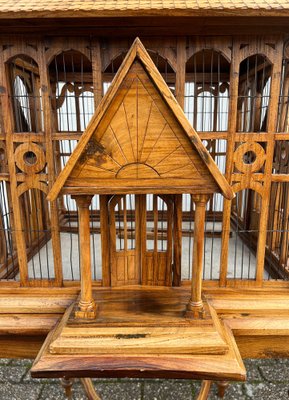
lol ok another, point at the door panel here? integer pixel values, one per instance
(124, 242)
(157, 264)
(141, 241)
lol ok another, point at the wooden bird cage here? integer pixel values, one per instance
(144, 188)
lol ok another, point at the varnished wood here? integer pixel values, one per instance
(222, 386)
(8, 128)
(178, 233)
(204, 391)
(195, 306)
(89, 389)
(105, 244)
(67, 383)
(258, 318)
(87, 306)
(117, 308)
(107, 167)
(55, 233)
(256, 332)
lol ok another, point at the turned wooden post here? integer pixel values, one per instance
(67, 383)
(195, 307)
(86, 305)
(222, 386)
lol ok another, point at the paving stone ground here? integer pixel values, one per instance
(267, 380)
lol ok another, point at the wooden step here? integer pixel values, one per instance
(141, 333)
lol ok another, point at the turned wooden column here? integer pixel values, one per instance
(86, 306)
(195, 307)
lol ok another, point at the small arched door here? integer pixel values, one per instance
(141, 239)
(158, 251)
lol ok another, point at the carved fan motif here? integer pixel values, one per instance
(140, 139)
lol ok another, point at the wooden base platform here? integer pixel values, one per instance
(141, 332)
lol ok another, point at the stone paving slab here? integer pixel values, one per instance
(267, 380)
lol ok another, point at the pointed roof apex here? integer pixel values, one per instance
(138, 52)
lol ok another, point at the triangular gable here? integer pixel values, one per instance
(139, 140)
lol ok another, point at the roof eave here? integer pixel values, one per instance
(148, 12)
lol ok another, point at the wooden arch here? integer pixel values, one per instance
(102, 155)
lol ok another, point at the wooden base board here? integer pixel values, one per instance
(141, 333)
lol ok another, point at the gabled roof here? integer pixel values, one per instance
(117, 8)
(140, 139)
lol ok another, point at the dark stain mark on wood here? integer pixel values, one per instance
(92, 147)
(131, 336)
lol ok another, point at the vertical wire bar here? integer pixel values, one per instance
(37, 227)
(132, 232)
(70, 235)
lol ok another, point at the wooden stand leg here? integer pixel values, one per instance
(222, 386)
(86, 305)
(89, 389)
(195, 307)
(205, 390)
(66, 383)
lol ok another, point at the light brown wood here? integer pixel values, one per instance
(204, 391)
(8, 129)
(89, 389)
(67, 383)
(222, 386)
(50, 159)
(138, 334)
(87, 306)
(195, 306)
(131, 155)
(258, 318)
(105, 244)
(181, 71)
(257, 334)
(178, 233)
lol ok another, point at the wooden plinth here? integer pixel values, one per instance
(141, 332)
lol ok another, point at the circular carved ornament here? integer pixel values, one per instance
(249, 157)
(30, 158)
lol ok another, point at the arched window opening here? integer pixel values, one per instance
(72, 103)
(35, 218)
(25, 94)
(245, 217)
(157, 221)
(254, 94)
(278, 229)
(212, 241)
(207, 91)
(70, 239)
(245, 220)
(72, 100)
(165, 69)
(8, 255)
(283, 115)
(71, 91)
(161, 63)
(111, 69)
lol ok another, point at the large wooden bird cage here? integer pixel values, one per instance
(220, 76)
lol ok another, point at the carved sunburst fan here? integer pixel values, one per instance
(139, 140)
